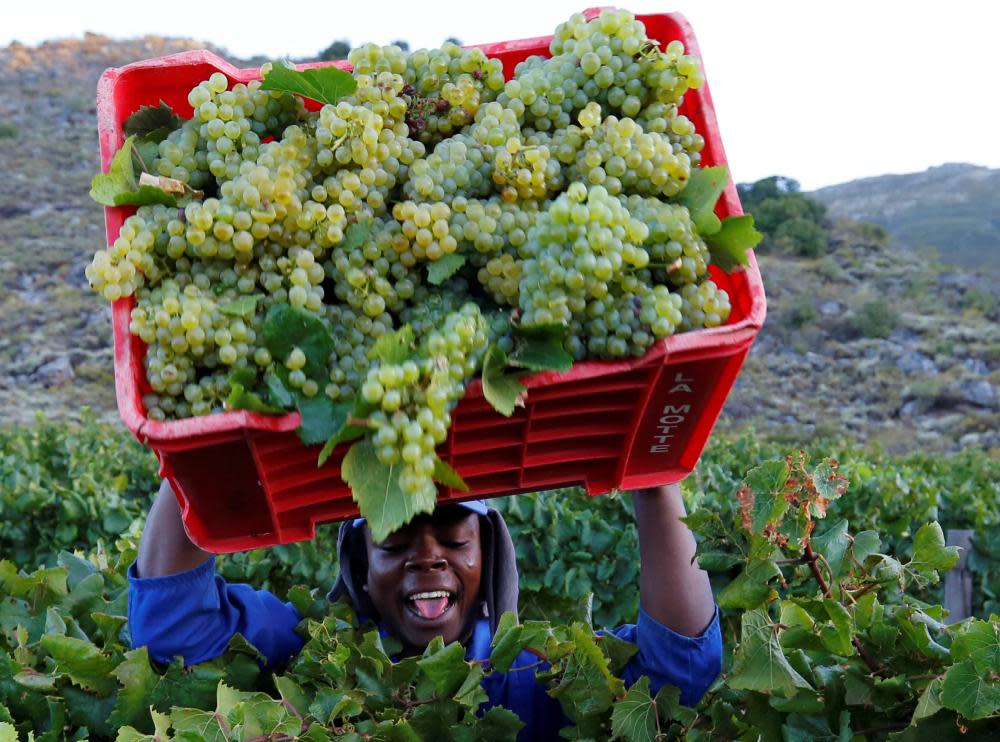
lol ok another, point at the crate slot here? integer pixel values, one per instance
(490, 484)
(558, 428)
(486, 439)
(622, 382)
(574, 448)
(620, 402)
(309, 493)
(489, 420)
(486, 462)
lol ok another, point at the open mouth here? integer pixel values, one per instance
(431, 605)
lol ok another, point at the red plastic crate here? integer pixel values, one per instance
(245, 480)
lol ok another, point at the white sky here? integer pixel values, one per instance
(822, 93)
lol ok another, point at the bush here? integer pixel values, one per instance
(791, 222)
(8, 130)
(874, 319)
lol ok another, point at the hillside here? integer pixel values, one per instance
(870, 341)
(954, 208)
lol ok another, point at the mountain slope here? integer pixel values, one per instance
(954, 208)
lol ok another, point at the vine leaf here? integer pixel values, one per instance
(446, 475)
(970, 693)
(393, 348)
(700, 196)
(444, 268)
(501, 390)
(120, 187)
(760, 664)
(730, 244)
(152, 123)
(541, 351)
(244, 307)
(321, 84)
(375, 487)
(634, 717)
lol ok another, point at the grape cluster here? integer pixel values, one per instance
(414, 399)
(554, 192)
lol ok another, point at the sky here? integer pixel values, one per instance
(819, 92)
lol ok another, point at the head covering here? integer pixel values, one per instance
(499, 580)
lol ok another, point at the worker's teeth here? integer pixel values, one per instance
(428, 596)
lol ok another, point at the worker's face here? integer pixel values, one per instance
(424, 579)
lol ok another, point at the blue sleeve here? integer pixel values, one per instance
(668, 658)
(195, 613)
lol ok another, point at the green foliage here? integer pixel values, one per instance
(831, 644)
(8, 130)
(321, 84)
(874, 319)
(69, 487)
(791, 222)
(120, 185)
(569, 546)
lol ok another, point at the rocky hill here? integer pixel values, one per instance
(869, 341)
(954, 209)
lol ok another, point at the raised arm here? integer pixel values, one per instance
(179, 606)
(165, 548)
(672, 589)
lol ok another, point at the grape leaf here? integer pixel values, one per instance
(242, 398)
(356, 235)
(286, 327)
(321, 418)
(750, 588)
(587, 685)
(498, 725)
(444, 474)
(700, 196)
(152, 123)
(203, 725)
(980, 642)
(446, 668)
(507, 642)
(348, 431)
(393, 347)
(634, 717)
(443, 268)
(730, 244)
(278, 391)
(760, 664)
(345, 432)
(244, 307)
(502, 391)
(321, 84)
(929, 702)
(138, 680)
(969, 692)
(930, 552)
(120, 187)
(7, 732)
(82, 661)
(541, 353)
(375, 487)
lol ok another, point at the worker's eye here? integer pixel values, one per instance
(456, 544)
(392, 548)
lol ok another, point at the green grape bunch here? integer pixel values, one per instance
(432, 197)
